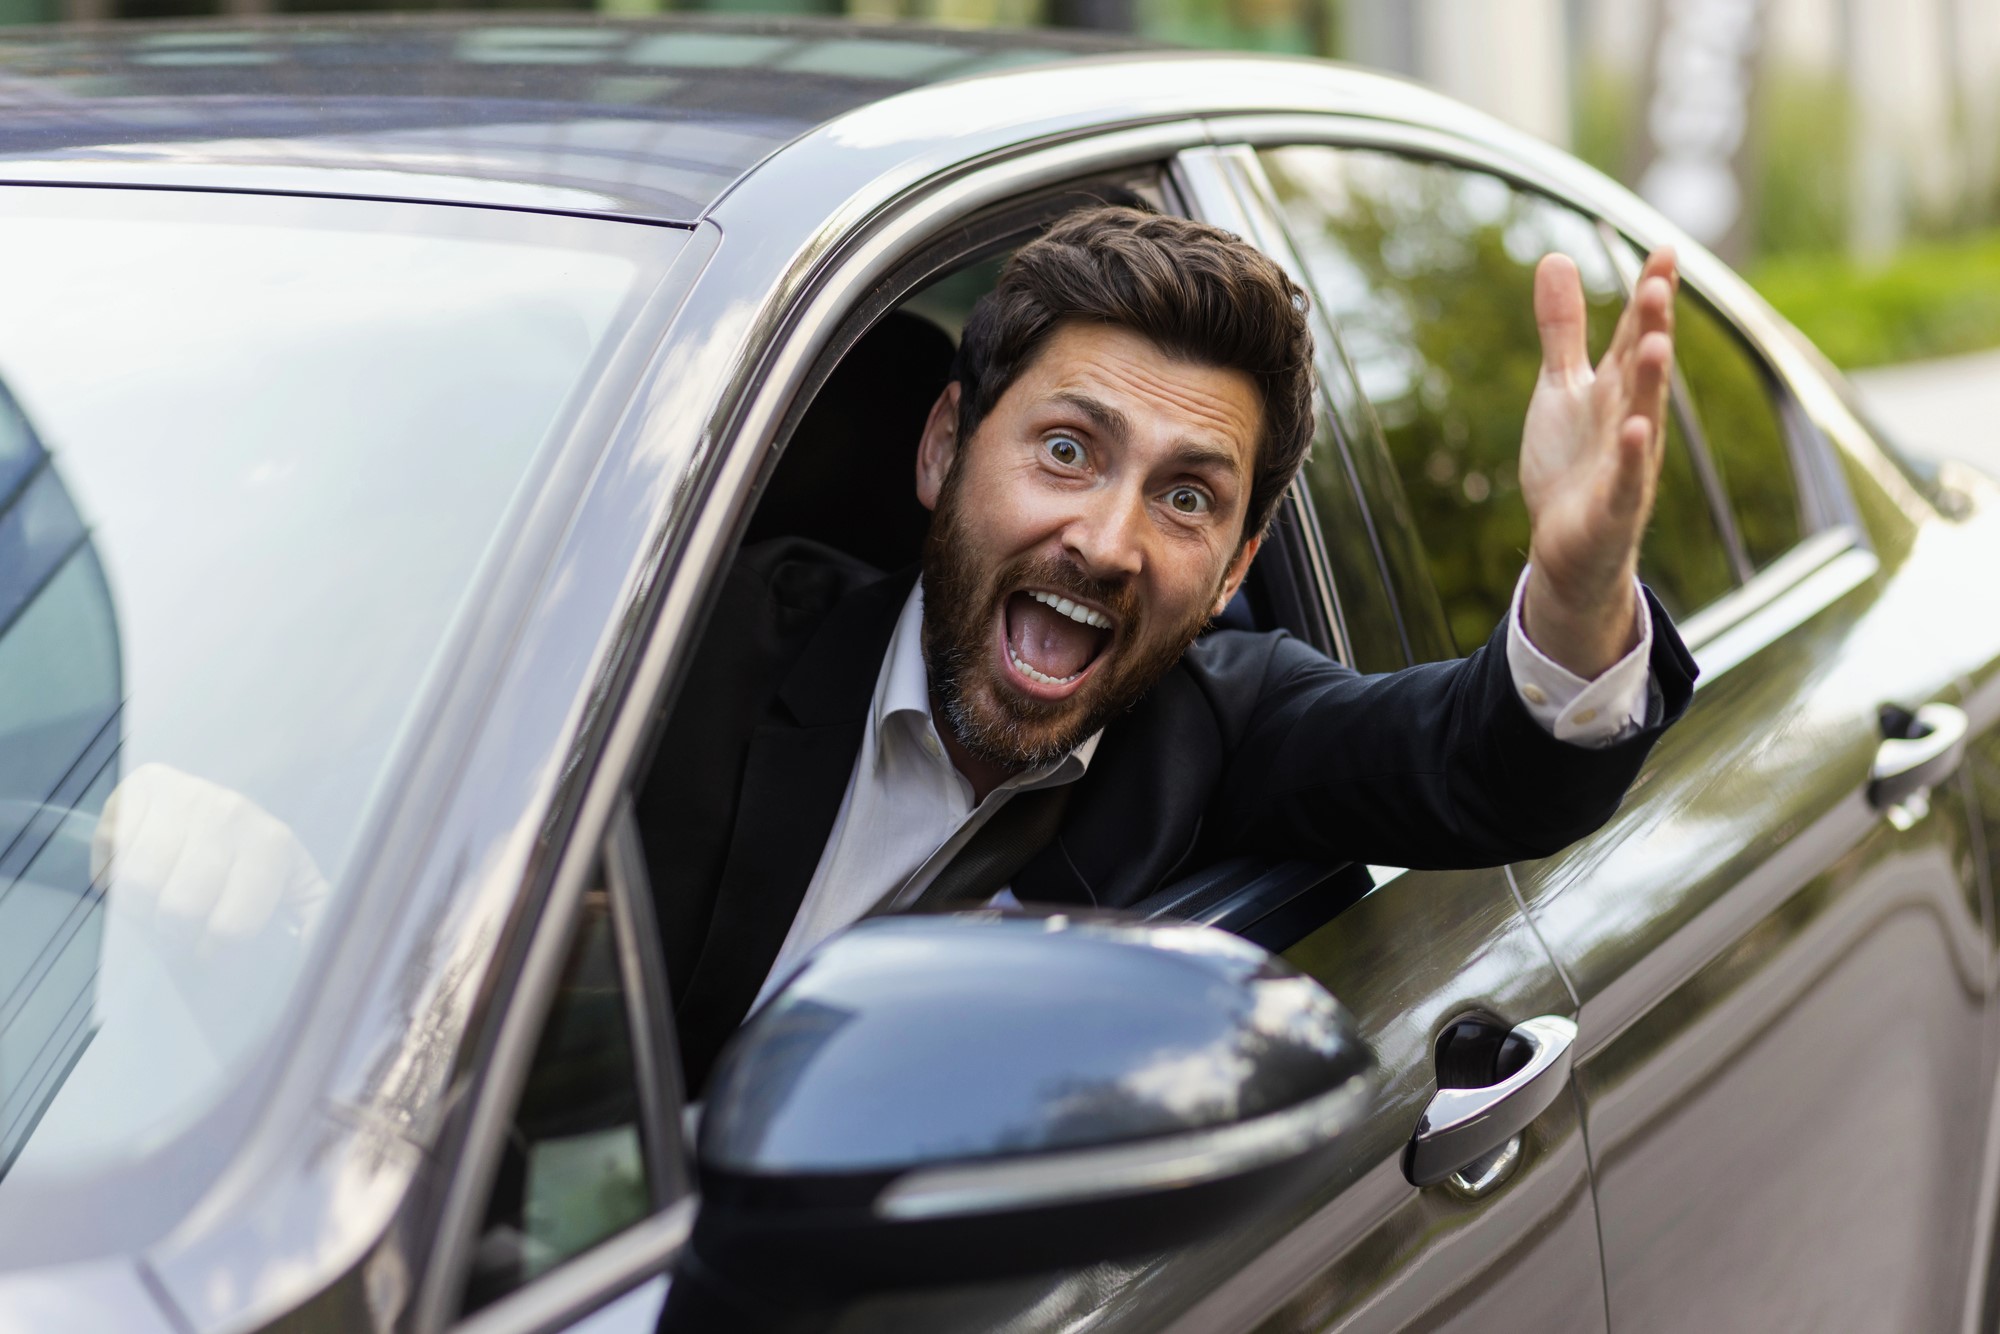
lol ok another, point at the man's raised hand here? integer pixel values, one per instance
(1590, 460)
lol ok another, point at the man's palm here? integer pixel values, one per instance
(1590, 459)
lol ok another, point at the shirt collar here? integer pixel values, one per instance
(903, 691)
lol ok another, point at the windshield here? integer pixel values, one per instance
(252, 451)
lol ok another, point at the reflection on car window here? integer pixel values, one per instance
(251, 453)
(1427, 270)
(1739, 419)
(59, 697)
(573, 1171)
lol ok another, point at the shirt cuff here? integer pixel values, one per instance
(1593, 713)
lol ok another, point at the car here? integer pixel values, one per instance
(383, 401)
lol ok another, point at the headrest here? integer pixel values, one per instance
(848, 477)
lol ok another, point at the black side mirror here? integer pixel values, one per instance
(948, 1099)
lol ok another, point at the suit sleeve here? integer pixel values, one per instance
(1434, 767)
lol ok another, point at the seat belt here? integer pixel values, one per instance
(1000, 848)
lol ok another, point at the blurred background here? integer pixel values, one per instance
(1844, 154)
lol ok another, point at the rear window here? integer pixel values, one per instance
(252, 452)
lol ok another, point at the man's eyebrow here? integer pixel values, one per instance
(1199, 455)
(1195, 455)
(1102, 415)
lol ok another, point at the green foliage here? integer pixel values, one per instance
(1605, 117)
(1291, 27)
(1429, 272)
(1800, 139)
(1733, 401)
(1934, 299)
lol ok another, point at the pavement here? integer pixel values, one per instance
(1940, 409)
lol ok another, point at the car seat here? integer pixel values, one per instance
(848, 478)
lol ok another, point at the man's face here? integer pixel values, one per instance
(1082, 537)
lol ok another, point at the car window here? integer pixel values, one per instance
(1735, 406)
(1427, 271)
(252, 453)
(573, 1170)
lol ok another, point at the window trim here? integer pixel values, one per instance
(591, 1280)
(621, 1261)
(655, 1058)
(1832, 557)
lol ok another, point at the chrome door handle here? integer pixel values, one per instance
(1907, 766)
(1462, 1125)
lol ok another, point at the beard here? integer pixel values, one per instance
(993, 720)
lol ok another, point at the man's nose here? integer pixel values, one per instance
(1107, 538)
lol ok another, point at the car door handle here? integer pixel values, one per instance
(1919, 752)
(1462, 1125)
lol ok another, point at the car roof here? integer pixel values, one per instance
(650, 119)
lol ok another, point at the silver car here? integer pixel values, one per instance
(379, 404)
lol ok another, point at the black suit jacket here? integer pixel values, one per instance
(1252, 743)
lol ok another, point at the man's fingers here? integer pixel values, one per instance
(1663, 264)
(1559, 316)
(1637, 465)
(1652, 370)
(1641, 428)
(1651, 309)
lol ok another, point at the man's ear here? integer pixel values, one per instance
(1239, 566)
(938, 447)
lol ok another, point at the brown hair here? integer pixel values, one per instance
(1196, 291)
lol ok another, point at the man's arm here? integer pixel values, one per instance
(1437, 766)
(1462, 764)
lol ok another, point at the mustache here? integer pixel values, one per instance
(1057, 574)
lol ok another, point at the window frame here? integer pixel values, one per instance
(1834, 554)
(858, 264)
(628, 1257)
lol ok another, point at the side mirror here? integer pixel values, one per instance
(945, 1099)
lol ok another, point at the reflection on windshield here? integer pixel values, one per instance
(251, 454)
(59, 695)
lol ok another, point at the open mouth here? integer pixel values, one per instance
(1052, 641)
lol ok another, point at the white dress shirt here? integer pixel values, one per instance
(907, 810)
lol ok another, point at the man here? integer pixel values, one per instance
(1033, 720)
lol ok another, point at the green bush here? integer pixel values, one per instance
(1933, 299)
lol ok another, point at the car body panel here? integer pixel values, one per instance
(1424, 949)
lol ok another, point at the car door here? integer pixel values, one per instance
(1753, 919)
(1771, 913)
(1424, 952)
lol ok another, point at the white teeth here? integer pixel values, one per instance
(1042, 677)
(1075, 611)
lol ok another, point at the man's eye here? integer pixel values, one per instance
(1188, 500)
(1066, 451)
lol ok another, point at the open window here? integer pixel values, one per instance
(843, 476)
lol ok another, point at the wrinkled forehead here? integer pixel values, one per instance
(1131, 389)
